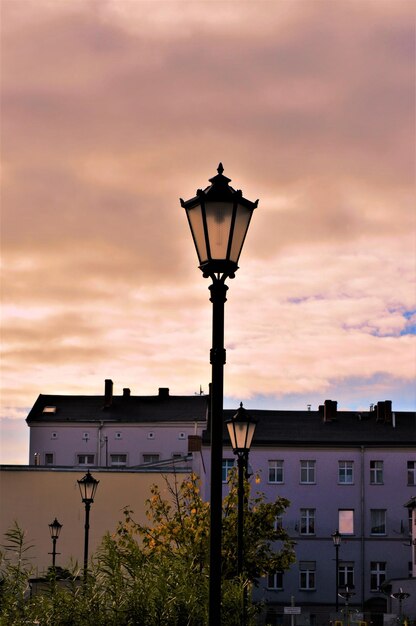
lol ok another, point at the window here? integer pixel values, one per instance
(378, 521)
(307, 570)
(346, 521)
(307, 472)
(227, 465)
(411, 472)
(117, 436)
(377, 574)
(307, 521)
(275, 580)
(278, 522)
(49, 409)
(150, 458)
(346, 575)
(376, 472)
(345, 472)
(54, 435)
(118, 460)
(275, 471)
(85, 459)
(48, 458)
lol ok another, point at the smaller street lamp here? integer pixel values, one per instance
(400, 596)
(346, 594)
(336, 538)
(87, 487)
(241, 430)
(54, 529)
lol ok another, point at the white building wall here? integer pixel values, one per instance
(66, 442)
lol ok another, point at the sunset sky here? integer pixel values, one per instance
(114, 109)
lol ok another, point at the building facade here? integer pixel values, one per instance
(340, 470)
(122, 431)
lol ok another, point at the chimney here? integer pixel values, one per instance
(126, 392)
(163, 392)
(108, 393)
(380, 410)
(194, 443)
(387, 412)
(330, 410)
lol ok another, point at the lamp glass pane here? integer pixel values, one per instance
(242, 221)
(218, 216)
(88, 487)
(197, 228)
(250, 433)
(240, 434)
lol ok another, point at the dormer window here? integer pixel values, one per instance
(49, 409)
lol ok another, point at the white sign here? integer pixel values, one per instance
(292, 610)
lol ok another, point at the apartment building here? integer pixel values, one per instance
(341, 470)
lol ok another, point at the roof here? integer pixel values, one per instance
(133, 409)
(280, 428)
(274, 428)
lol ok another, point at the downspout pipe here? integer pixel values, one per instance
(362, 530)
(100, 427)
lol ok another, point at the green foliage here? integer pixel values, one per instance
(154, 574)
(15, 570)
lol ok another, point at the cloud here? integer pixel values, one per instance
(112, 110)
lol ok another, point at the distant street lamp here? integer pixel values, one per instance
(336, 538)
(219, 217)
(346, 594)
(87, 486)
(54, 529)
(400, 596)
(241, 430)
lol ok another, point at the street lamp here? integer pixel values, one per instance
(241, 430)
(219, 217)
(336, 538)
(400, 596)
(54, 529)
(87, 487)
(346, 594)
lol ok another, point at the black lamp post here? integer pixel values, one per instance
(336, 538)
(241, 430)
(54, 529)
(219, 217)
(87, 486)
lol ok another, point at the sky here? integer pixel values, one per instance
(114, 109)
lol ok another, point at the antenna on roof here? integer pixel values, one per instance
(201, 393)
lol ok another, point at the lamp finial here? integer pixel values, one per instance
(220, 168)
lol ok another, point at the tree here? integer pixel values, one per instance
(180, 527)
